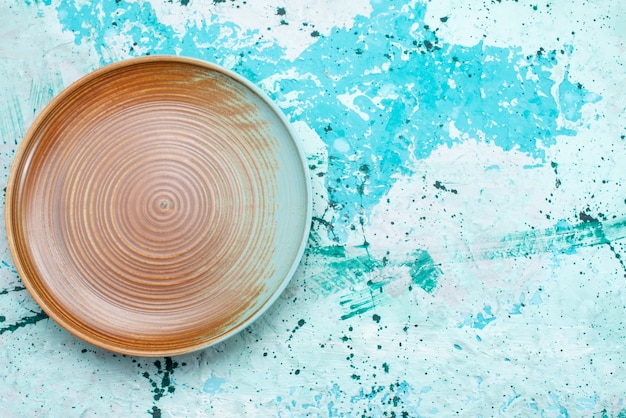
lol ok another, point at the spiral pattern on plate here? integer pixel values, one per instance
(148, 198)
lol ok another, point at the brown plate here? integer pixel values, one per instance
(157, 206)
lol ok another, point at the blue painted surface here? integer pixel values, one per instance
(466, 255)
(401, 112)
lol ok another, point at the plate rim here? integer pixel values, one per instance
(17, 167)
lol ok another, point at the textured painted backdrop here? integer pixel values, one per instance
(467, 251)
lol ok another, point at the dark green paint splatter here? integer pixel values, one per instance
(162, 384)
(15, 289)
(441, 186)
(155, 412)
(28, 320)
(301, 322)
(389, 397)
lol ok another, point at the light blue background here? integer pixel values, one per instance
(466, 255)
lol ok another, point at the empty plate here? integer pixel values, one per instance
(158, 205)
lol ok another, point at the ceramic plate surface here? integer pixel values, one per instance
(157, 206)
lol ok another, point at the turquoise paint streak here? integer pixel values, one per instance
(397, 113)
(45, 2)
(517, 307)
(571, 95)
(213, 385)
(587, 404)
(480, 320)
(562, 238)
(398, 397)
(353, 268)
(422, 269)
